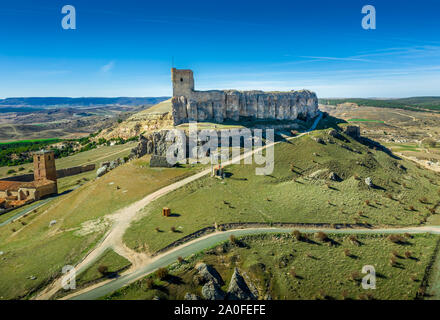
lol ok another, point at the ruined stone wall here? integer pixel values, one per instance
(222, 105)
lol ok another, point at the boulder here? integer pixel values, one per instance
(238, 288)
(191, 296)
(212, 291)
(369, 182)
(208, 273)
(101, 171)
(334, 177)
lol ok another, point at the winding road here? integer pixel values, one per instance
(210, 240)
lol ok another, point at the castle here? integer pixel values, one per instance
(233, 105)
(16, 193)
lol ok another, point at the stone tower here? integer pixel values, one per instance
(44, 166)
(183, 82)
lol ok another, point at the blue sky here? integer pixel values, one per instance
(125, 48)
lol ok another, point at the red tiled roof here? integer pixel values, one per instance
(10, 185)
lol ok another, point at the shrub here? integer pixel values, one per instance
(103, 270)
(20, 169)
(13, 230)
(393, 262)
(173, 229)
(180, 259)
(360, 213)
(408, 235)
(397, 239)
(162, 273)
(354, 276)
(395, 253)
(297, 234)
(353, 238)
(423, 200)
(149, 283)
(233, 239)
(346, 252)
(390, 196)
(11, 171)
(321, 236)
(408, 254)
(292, 273)
(157, 229)
(411, 208)
(367, 202)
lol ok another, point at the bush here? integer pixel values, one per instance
(149, 283)
(321, 236)
(354, 276)
(408, 254)
(423, 200)
(180, 259)
(233, 239)
(393, 262)
(173, 229)
(346, 252)
(103, 270)
(297, 234)
(367, 202)
(162, 273)
(20, 169)
(11, 171)
(292, 273)
(397, 239)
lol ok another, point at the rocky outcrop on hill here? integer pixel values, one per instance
(239, 289)
(208, 273)
(236, 105)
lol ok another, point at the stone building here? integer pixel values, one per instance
(17, 193)
(223, 105)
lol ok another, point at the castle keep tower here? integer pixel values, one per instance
(44, 166)
(183, 82)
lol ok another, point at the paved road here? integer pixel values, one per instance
(210, 240)
(26, 210)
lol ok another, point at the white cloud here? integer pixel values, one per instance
(108, 67)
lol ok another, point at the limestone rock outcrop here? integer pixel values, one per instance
(221, 105)
(239, 289)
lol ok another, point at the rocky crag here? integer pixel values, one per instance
(223, 105)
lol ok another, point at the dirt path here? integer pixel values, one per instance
(122, 219)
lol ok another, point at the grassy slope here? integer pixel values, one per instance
(321, 270)
(35, 249)
(287, 196)
(110, 259)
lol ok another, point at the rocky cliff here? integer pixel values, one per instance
(221, 105)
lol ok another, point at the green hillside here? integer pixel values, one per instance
(298, 191)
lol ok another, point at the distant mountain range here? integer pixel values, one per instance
(69, 102)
